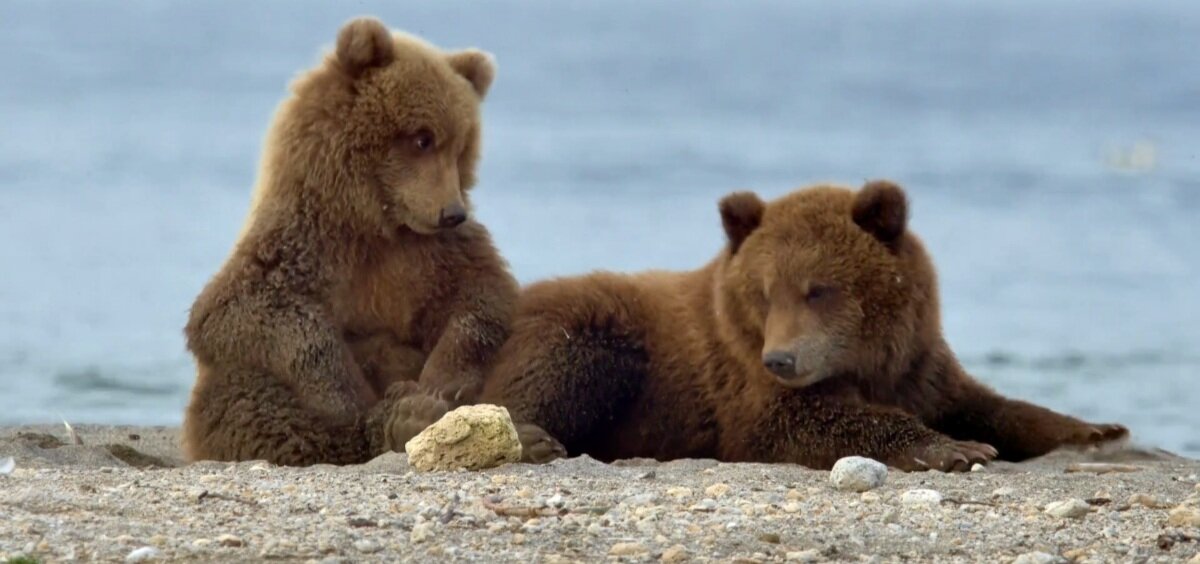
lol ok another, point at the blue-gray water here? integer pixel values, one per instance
(1050, 151)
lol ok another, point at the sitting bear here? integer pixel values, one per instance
(815, 334)
(359, 273)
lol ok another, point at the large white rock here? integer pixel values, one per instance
(1068, 509)
(472, 437)
(921, 498)
(858, 474)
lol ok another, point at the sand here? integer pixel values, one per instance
(138, 502)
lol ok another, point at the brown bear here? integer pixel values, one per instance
(359, 266)
(815, 334)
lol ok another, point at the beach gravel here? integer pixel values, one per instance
(91, 502)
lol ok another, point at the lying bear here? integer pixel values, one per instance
(815, 334)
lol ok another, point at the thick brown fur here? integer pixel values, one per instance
(827, 287)
(357, 270)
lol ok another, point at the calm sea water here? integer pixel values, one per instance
(1050, 150)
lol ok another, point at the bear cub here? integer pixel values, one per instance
(361, 299)
(815, 334)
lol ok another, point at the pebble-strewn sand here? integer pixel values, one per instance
(70, 502)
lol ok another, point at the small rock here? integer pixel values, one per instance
(648, 475)
(921, 497)
(627, 549)
(640, 499)
(1184, 516)
(810, 555)
(716, 490)
(472, 437)
(367, 546)
(7, 465)
(977, 467)
(1195, 559)
(870, 497)
(679, 492)
(857, 474)
(1068, 509)
(143, 554)
(556, 501)
(229, 540)
(1036, 558)
(1003, 492)
(421, 532)
(772, 538)
(705, 505)
(794, 495)
(1147, 501)
(201, 543)
(674, 554)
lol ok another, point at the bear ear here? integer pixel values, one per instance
(741, 213)
(881, 209)
(478, 67)
(364, 43)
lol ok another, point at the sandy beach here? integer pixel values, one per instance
(125, 496)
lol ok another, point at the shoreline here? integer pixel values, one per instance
(65, 501)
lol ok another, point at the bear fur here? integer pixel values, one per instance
(358, 274)
(815, 334)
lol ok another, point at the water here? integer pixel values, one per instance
(130, 131)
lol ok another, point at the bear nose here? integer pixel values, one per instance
(780, 363)
(451, 216)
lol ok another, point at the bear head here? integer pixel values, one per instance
(384, 134)
(826, 282)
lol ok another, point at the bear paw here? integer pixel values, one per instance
(405, 411)
(1096, 434)
(537, 446)
(946, 455)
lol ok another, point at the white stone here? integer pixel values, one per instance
(1004, 492)
(421, 532)
(921, 497)
(1037, 558)
(716, 490)
(857, 474)
(472, 437)
(1068, 509)
(810, 555)
(366, 546)
(1184, 516)
(627, 549)
(143, 554)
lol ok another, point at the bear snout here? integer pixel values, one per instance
(452, 216)
(780, 363)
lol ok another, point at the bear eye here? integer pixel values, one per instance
(817, 293)
(423, 140)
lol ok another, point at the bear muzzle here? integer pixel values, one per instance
(452, 216)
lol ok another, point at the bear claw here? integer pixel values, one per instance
(949, 456)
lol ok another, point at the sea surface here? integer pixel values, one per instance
(1049, 150)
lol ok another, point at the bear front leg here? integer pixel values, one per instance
(284, 337)
(1018, 429)
(817, 431)
(467, 332)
